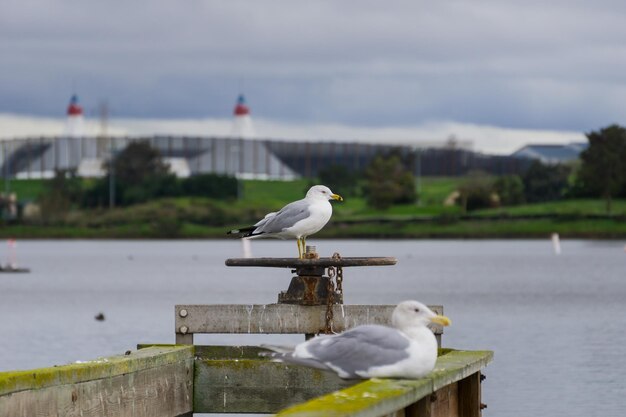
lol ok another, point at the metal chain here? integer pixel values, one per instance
(339, 274)
(334, 274)
(330, 290)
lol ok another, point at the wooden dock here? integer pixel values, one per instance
(182, 379)
(168, 381)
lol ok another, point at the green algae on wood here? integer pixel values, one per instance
(15, 381)
(377, 397)
(257, 385)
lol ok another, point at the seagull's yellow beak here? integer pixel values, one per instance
(442, 320)
(336, 197)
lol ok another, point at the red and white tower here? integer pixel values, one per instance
(242, 124)
(75, 124)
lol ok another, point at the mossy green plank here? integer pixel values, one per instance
(257, 385)
(372, 398)
(458, 364)
(219, 351)
(14, 381)
(377, 397)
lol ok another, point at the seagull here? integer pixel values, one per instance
(406, 350)
(298, 219)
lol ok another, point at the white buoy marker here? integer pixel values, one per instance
(246, 248)
(556, 243)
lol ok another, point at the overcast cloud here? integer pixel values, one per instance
(556, 66)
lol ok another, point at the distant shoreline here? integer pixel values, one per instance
(613, 228)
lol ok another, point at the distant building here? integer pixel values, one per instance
(242, 122)
(75, 124)
(552, 154)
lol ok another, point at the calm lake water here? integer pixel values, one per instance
(557, 324)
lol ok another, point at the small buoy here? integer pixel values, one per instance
(556, 243)
(99, 317)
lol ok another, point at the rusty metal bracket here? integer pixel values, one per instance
(310, 286)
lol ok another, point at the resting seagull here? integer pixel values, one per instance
(406, 350)
(298, 220)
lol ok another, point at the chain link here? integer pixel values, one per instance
(339, 274)
(330, 289)
(335, 274)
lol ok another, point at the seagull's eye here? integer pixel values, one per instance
(417, 310)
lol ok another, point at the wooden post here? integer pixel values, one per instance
(184, 339)
(422, 408)
(469, 396)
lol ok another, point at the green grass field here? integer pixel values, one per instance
(202, 217)
(26, 190)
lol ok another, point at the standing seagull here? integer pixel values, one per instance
(406, 350)
(298, 220)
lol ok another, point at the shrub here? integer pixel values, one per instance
(211, 185)
(477, 192)
(389, 182)
(545, 182)
(510, 190)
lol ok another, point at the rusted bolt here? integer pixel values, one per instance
(310, 253)
(183, 313)
(483, 406)
(184, 329)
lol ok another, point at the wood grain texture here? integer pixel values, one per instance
(155, 383)
(280, 318)
(257, 386)
(470, 396)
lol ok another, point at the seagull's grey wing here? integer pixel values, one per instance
(359, 349)
(285, 218)
(265, 219)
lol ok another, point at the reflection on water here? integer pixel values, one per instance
(556, 323)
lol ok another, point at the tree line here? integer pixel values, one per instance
(138, 174)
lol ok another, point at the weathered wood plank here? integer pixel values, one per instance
(469, 396)
(279, 318)
(257, 386)
(377, 397)
(164, 391)
(14, 381)
(151, 382)
(445, 401)
(458, 366)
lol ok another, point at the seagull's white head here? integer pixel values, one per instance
(414, 314)
(322, 192)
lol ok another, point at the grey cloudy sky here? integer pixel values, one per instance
(557, 65)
